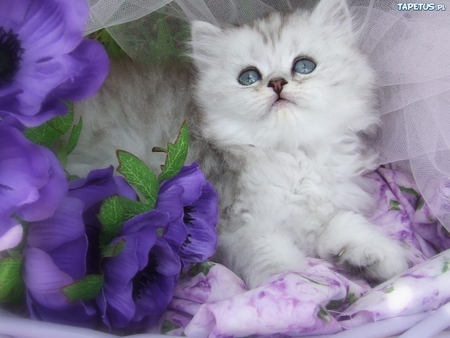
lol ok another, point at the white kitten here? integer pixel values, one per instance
(279, 110)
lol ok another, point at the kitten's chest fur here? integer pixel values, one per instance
(291, 192)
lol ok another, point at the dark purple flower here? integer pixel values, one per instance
(192, 204)
(61, 250)
(44, 59)
(32, 184)
(140, 281)
(55, 257)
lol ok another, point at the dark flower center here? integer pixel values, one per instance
(145, 277)
(187, 218)
(10, 55)
(186, 242)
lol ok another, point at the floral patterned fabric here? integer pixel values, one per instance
(210, 301)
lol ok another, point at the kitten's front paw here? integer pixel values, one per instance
(375, 261)
(352, 242)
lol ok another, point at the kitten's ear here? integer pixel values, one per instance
(201, 30)
(203, 34)
(334, 14)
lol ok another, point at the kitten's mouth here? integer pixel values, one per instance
(280, 102)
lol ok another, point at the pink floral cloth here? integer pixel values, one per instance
(210, 301)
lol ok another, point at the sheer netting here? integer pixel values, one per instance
(410, 50)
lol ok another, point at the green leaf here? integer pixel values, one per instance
(198, 268)
(410, 191)
(335, 304)
(85, 289)
(446, 266)
(71, 177)
(74, 136)
(323, 314)
(139, 175)
(62, 124)
(160, 231)
(167, 326)
(389, 289)
(132, 208)
(47, 134)
(113, 250)
(394, 205)
(112, 48)
(112, 217)
(44, 135)
(61, 154)
(12, 289)
(351, 297)
(159, 150)
(313, 281)
(420, 204)
(445, 232)
(176, 154)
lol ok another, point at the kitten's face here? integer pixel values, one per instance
(283, 82)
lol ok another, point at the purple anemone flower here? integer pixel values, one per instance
(32, 184)
(192, 204)
(44, 59)
(61, 250)
(140, 281)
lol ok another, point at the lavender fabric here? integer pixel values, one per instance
(210, 301)
(45, 59)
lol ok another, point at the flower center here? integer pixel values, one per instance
(186, 242)
(187, 218)
(145, 277)
(10, 55)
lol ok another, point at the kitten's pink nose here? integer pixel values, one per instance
(277, 84)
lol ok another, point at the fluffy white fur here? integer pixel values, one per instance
(289, 171)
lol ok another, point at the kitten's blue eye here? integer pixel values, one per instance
(249, 77)
(304, 66)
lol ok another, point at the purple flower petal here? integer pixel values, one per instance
(43, 279)
(32, 182)
(50, 27)
(191, 178)
(13, 199)
(11, 233)
(50, 194)
(156, 296)
(124, 189)
(171, 202)
(17, 155)
(98, 186)
(61, 236)
(202, 243)
(139, 234)
(207, 205)
(88, 76)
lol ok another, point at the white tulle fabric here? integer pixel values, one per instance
(410, 51)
